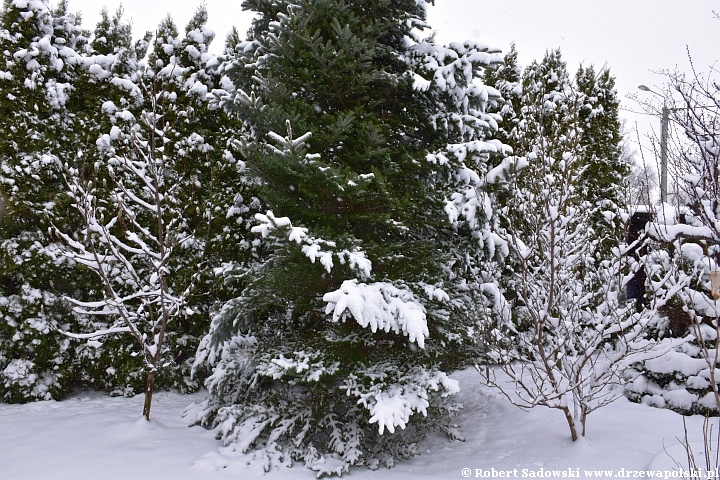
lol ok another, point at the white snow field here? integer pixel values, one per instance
(93, 436)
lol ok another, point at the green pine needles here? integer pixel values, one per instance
(371, 145)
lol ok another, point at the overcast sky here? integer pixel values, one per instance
(633, 37)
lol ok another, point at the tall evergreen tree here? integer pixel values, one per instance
(601, 141)
(552, 101)
(371, 145)
(546, 113)
(605, 169)
(548, 97)
(112, 36)
(39, 64)
(507, 79)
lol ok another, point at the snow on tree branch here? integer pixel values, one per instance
(134, 224)
(380, 306)
(312, 247)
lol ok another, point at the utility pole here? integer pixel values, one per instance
(663, 152)
(664, 121)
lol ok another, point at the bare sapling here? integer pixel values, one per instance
(134, 227)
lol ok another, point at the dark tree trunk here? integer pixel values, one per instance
(149, 385)
(571, 423)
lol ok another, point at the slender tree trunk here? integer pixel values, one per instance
(571, 423)
(149, 386)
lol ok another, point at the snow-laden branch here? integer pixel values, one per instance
(392, 404)
(97, 333)
(313, 248)
(380, 306)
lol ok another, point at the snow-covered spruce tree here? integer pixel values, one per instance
(686, 254)
(38, 67)
(569, 336)
(371, 145)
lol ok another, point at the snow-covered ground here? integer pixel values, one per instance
(92, 436)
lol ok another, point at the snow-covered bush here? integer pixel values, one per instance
(36, 364)
(678, 268)
(678, 380)
(569, 334)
